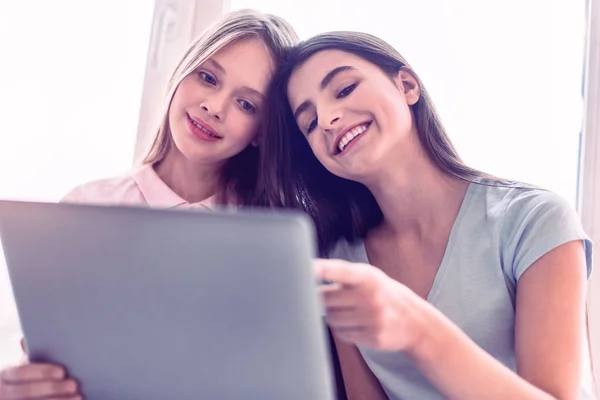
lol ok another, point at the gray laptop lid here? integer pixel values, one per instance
(145, 304)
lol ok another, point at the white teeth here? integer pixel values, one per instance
(347, 138)
(203, 130)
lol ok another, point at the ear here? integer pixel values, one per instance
(408, 84)
(256, 140)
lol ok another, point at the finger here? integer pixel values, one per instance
(76, 397)
(344, 318)
(340, 321)
(39, 390)
(340, 271)
(342, 297)
(349, 330)
(356, 335)
(329, 287)
(32, 373)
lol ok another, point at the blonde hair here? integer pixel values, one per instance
(276, 33)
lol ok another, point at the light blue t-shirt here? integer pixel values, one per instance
(499, 232)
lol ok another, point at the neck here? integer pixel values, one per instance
(193, 182)
(418, 198)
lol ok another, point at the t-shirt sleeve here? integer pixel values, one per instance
(537, 221)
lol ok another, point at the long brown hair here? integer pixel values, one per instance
(238, 177)
(292, 176)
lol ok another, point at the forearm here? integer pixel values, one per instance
(459, 368)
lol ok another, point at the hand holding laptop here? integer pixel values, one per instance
(37, 381)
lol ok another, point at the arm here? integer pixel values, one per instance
(548, 339)
(370, 308)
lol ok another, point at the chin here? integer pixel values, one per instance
(198, 157)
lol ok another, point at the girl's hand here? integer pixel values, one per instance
(37, 381)
(368, 308)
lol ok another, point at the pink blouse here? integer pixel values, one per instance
(141, 186)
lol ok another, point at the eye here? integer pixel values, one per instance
(311, 126)
(346, 91)
(247, 106)
(208, 78)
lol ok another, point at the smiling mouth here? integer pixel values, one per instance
(203, 129)
(350, 136)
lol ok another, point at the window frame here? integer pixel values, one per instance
(589, 181)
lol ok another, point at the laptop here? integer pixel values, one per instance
(142, 304)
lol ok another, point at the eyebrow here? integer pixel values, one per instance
(329, 77)
(218, 66)
(254, 92)
(326, 81)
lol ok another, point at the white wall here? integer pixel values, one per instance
(71, 75)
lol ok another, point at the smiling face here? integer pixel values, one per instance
(216, 110)
(356, 118)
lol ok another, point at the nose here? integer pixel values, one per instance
(214, 107)
(329, 118)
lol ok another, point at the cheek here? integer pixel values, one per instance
(172, 115)
(403, 118)
(243, 127)
(318, 146)
(396, 112)
(178, 103)
(182, 93)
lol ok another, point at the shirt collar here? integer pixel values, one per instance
(158, 194)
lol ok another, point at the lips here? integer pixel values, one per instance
(348, 135)
(202, 130)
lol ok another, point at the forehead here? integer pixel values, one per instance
(308, 76)
(247, 61)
